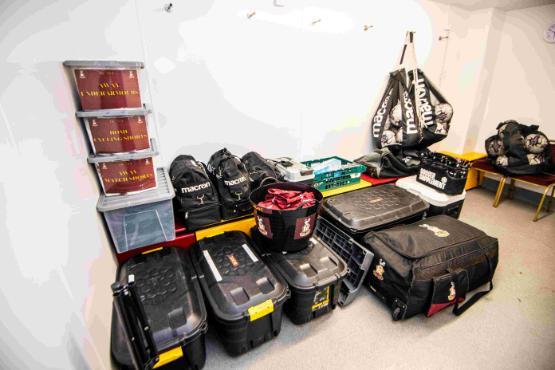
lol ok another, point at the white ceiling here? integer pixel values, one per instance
(501, 4)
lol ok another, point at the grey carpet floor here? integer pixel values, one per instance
(511, 328)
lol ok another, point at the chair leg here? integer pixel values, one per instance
(511, 189)
(480, 177)
(539, 209)
(499, 191)
(550, 198)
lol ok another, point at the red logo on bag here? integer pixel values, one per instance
(304, 227)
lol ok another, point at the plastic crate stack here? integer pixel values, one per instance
(137, 197)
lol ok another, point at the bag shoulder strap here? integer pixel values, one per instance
(460, 309)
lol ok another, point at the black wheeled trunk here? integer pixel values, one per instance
(430, 265)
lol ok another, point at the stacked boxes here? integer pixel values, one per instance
(123, 153)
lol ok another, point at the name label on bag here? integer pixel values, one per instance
(191, 189)
(429, 177)
(235, 181)
(378, 118)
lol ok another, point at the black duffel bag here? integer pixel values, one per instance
(261, 172)
(196, 201)
(430, 265)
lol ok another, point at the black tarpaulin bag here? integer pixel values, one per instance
(260, 170)
(232, 180)
(430, 265)
(412, 112)
(519, 149)
(196, 202)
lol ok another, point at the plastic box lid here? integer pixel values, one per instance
(373, 207)
(108, 113)
(316, 266)
(233, 276)
(102, 158)
(164, 191)
(430, 195)
(103, 64)
(171, 298)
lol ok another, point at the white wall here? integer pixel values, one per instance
(56, 265)
(275, 83)
(523, 74)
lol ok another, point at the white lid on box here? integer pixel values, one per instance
(430, 195)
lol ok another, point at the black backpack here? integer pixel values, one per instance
(232, 180)
(260, 170)
(196, 198)
(519, 149)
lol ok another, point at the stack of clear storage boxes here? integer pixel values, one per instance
(137, 196)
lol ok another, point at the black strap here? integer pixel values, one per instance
(460, 309)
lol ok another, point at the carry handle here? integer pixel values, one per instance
(135, 325)
(460, 309)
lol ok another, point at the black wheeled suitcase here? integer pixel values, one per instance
(244, 296)
(373, 208)
(314, 275)
(430, 265)
(159, 317)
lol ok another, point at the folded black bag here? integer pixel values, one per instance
(386, 162)
(231, 177)
(260, 170)
(430, 265)
(196, 198)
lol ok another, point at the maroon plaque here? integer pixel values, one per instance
(118, 134)
(127, 176)
(108, 88)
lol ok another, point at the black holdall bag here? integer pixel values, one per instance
(260, 170)
(232, 180)
(196, 202)
(429, 265)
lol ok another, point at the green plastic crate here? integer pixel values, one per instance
(348, 174)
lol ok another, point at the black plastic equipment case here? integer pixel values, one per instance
(314, 275)
(244, 296)
(357, 257)
(159, 317)
(373, 208)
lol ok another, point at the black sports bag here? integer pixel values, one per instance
(429, 265)
(232, 180)
(519, 149)
(196, 199)
(260, 170)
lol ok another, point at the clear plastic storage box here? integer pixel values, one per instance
(141, 219)
(106, 84)
(117, 130)
(127, 173)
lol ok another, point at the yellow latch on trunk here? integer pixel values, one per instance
(261, 310)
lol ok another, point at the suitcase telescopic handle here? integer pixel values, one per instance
(134, 325)
(460, 309)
